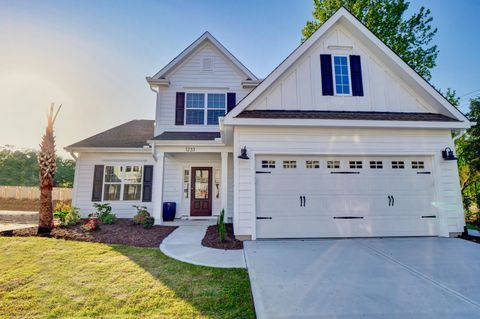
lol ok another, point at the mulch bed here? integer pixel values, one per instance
(470, 238)
(122, 232)
(212, 239)
(23, 204)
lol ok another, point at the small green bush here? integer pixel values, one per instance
(143, 217)
(66, 214)
(148, 223)
(104, 213)
(222, 231)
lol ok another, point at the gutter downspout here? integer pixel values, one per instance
(462, 132)
(73, 155)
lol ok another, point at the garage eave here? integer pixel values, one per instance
(346, 123)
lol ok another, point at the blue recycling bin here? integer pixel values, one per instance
(169, 211)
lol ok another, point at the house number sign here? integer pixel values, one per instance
(189, 149)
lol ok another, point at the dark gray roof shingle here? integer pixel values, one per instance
(345, 115)
(133, 134)
(187, 136)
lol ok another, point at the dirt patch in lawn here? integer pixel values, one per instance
(122, 232)
(212, 239)
(23, 204)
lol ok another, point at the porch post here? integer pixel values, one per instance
(158, 188)
(224, 182)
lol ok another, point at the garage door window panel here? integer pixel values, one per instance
(312, 164)
(418, 164)
(289, 164)
(398, 164)
(376, 164)
(268, 164)
(355, 164)
(333, 164)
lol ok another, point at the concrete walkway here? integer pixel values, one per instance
(184, 244)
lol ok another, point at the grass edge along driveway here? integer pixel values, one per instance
(50, 278)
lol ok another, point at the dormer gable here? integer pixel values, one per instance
(344, 67)
(209, 48)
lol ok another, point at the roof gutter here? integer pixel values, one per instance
(108, 149)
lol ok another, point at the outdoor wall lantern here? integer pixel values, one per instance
(448, 155)
(243, 153)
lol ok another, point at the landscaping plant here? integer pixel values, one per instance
(66, 214)
(143, 217)
(222, 231)
(104, 213)
(47, 168)
(92, 224)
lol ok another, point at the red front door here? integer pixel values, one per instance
(201, 192)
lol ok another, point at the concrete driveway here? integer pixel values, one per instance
(367, 278)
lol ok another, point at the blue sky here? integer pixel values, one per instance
(93, 56)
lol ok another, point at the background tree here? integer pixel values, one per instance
(468, 153)
(19, 167)
(408, 37)
(47, 167)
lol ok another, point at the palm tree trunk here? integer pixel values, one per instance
(45, 216)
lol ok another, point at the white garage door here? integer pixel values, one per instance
(300, 196)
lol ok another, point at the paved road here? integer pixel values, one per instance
(365, 278)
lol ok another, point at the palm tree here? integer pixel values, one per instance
(47, 168)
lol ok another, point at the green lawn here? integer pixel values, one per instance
(50, 278)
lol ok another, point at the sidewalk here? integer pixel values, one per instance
(184, 244)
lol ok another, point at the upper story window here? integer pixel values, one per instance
(204, 108)
(341, 75)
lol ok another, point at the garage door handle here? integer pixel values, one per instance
(389, 200)
(264, 217)
(393, 201)
(304, 201)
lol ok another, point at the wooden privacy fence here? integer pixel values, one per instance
(27, 192)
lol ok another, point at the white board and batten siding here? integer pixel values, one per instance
(83, 184)
(189, 77)
(176, 164)
(300, 86)
(347, 143)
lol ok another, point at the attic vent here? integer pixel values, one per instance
(207, 64)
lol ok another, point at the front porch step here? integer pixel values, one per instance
(191, 222)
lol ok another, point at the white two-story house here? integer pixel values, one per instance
(342, 139)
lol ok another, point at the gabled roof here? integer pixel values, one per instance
(185, 54)
(360, 30)
(133, 134)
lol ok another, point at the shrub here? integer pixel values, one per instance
(143, 217)
(66, 214)
(91, 224)
(104, 213)
(148, 222)
(222, 231)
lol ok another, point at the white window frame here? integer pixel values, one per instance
(204, 109)
(335, 77)
(122, 183)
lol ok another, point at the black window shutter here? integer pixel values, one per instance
(231, 101)
(327, 74)
(179, 108)
(356, 74)
(97, 183)
(147, 183)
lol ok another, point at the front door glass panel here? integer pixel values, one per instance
(201, 184)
